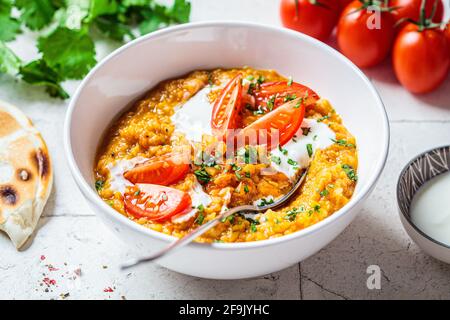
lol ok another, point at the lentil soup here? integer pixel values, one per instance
(140, 171)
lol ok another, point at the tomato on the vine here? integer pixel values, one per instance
(410, 9)
(421, 58)
(365, 36)
(316, 18)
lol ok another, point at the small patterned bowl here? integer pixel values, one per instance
(415, 174)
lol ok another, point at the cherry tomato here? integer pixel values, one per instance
(411, 9)
(163, 170)
(421, 58)
(281, 91)
(344, 3)
(227, 107)
(447, 34)
(316, 18)
(276, 127)
(156, 203)
(361, 39)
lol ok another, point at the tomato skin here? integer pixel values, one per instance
(313, 20)
(411, 9)
(447, 35)
(286, 119)
(227, 106)
(156, 203)
(344, 3)
(421, 59)
(281, 89)
(365, 47)
(163, 170)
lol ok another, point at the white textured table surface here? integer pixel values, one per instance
(85, 254)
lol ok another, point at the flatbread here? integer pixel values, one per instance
(26, 174)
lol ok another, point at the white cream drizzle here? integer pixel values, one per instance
(320, 137)
(116, 171)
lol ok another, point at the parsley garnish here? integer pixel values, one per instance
(202, 175)
(309, 149)
(324, 193)
(323, 118)
(246, 189)
(200, 218)
(350, 172)
(289, 97)
(99, 185)
(264, 202)
(64, 34)
(282, 150)
(290, 80)
(292, 162)
(292, 214)
(276, 159)
(253, 227)
(343, 143)
(261, 80)
(271, 103)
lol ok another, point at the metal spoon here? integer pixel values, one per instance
(205, 227)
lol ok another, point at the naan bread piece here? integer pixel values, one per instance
(26, 174)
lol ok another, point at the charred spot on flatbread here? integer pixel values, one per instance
(42, 162)
(8, 195)
(24, 174)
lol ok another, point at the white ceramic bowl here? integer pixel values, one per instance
(135, 68)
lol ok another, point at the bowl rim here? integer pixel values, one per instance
(405, 215)
(92, 196)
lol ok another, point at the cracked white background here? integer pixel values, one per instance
(75, 242)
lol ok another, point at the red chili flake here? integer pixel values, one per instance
(42, 257)
(109, 289)
(49, 282)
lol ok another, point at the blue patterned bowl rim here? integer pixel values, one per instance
(417, 163)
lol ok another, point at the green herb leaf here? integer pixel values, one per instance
(200, 218)
(9, 27)
(246, 189)
(350, 172)
(309, 148)
(343, 143)
(99, 185)
(70, 52)
(276, 159)
(36, 14)
(202, 175)
(39, 73)
(9, 62)
(292, 162)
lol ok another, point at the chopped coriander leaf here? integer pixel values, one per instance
(350, 172)
(200, 218)
(309, 148)
(235, 167)
(250, 77)
(201, 207)
(261, 80)
(202, 175)
(331, 186)
(246, 189)
(298, 104)
(290, 80)
(276, 159)
(238, 176)
(292, 214)
(343, 143)
(317, 208)
(265, 202)
(289, 97)
(292, 162)
(99, 184)
(323, 118)
(271, 103)
(324, 193)
(247, 174)
(315, 137)
(283, 151)
(253, 227)
(251, 88)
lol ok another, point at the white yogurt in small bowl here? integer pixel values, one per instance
(423, 195)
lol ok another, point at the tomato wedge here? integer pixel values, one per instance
(281, 91)
(227, 106)
(156, 203)
(163, 170)
(277, 127)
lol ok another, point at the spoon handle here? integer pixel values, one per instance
(191, 236)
